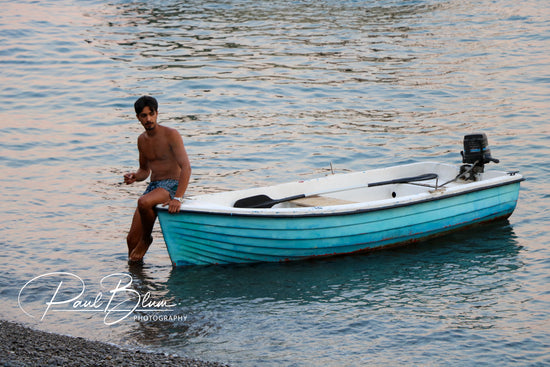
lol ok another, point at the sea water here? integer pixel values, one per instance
(266, 92)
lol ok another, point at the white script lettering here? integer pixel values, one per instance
(121, 303)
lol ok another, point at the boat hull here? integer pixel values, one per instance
(201, 238)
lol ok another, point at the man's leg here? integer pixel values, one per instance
(135, 234)
(144, 220)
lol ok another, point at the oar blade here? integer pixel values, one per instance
(253, 202)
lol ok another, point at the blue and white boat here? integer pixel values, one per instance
(341, 213)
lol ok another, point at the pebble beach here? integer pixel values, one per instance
(23, 346)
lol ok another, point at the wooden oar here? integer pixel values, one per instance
(424, 177)
(264, 201)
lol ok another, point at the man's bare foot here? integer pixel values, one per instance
(139, 251)
(136, 263)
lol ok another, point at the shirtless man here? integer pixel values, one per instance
(161, 154)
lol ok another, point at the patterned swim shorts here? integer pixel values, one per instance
(169, 185)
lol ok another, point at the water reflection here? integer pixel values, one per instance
(453, 258)
(475, 269)
(246, 41)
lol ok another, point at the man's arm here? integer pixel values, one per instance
(143, 171)
(180, 155)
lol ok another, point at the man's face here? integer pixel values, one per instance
(148, 118)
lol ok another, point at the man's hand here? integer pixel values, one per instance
(129, 178)
(173, 205)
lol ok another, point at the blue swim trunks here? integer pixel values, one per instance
(169, 185)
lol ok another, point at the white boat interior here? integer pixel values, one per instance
(351, 191)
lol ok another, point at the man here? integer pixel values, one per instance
(161, 154)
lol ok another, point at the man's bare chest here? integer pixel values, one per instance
(157, 151)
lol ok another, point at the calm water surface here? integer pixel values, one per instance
(265, 92)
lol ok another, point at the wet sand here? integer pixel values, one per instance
(22, 346)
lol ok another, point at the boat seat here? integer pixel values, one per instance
(317, 200)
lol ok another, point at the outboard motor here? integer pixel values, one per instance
(475, 154)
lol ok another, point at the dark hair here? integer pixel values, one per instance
(146, 101)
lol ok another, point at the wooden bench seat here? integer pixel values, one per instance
(320, 201)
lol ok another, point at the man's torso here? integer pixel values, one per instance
(157, 150)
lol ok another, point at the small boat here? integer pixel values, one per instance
(341, 213)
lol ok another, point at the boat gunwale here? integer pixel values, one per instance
(264, 213)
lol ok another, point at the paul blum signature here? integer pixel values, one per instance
(117, 302)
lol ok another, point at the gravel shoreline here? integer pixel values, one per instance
(22, 346)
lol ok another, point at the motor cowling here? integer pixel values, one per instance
(476, 150)
(476, 154)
